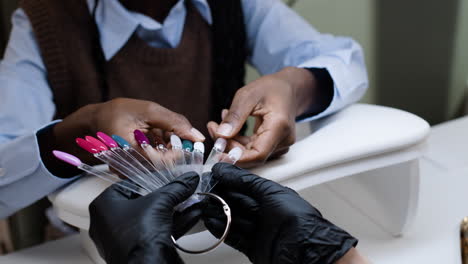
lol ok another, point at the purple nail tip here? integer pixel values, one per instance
(140, 137)
(107, 140)
(68, 158)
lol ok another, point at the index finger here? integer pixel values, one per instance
(264, 142)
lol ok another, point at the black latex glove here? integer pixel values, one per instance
(126, 229)
(272, 223)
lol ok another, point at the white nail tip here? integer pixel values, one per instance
(220, 144)
(176, 142)
(199, 146)
(235, 153)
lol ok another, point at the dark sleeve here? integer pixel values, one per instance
(46, 141)
(325, 92)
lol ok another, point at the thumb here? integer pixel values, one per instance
(234, 119)
(179, 190)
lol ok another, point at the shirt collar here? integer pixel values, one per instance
(116, 24)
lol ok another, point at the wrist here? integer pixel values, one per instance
(76, 124)
(303, 85)
(352, 257)
(62, 137)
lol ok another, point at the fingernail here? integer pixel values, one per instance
(224, 129)
(224, 113)
(197, 133)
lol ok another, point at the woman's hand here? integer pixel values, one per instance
(121, 117)
(275, 101)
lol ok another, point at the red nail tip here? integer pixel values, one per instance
(87, 146)
(101, 146)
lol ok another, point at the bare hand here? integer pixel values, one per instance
(275, 101)
(121, 117)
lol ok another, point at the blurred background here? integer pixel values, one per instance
(417, 59)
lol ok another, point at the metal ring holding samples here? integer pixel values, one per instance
(227, 212)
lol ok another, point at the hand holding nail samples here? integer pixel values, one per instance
(274, 102)
(162, 166)
(120, 117)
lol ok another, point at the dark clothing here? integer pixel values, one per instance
(197, 79)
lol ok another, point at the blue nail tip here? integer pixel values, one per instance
(122, 142)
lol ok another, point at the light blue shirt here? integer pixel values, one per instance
(277, 37)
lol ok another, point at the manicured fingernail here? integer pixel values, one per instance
(224, 129)
(197, 134)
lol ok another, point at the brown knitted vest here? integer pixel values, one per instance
(179, 79)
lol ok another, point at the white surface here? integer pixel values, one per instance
(357, 139)
(434, 238)
(373, 193)
(357, 132)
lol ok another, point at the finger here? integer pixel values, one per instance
(212, 127)
(273, 132)
(177, 191)
(241, 205)
(242, 106)
(224, 113)
(243, 140)
(258, 122)
(278, 153)
(238, 234)
(239, 180)
(185, 220)
(113, 195)
(159, 117)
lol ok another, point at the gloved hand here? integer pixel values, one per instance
(272, 223)
(126, 229)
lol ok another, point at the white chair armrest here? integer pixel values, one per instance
(355, 133)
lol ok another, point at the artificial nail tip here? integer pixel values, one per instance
(140, 137)
(107, 140)
(68, 158)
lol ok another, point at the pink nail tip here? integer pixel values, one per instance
(140, 137)
(107, 140)
(87, 146)
(96, 143)
(68, 158)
